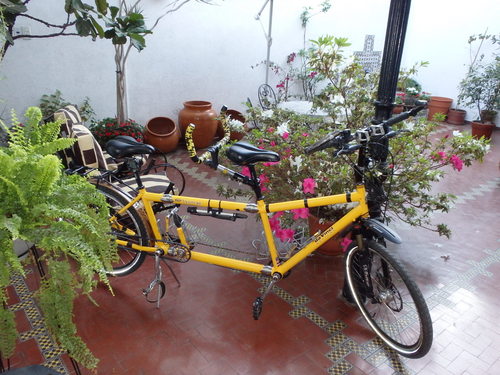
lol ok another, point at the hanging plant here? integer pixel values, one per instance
(64, 216)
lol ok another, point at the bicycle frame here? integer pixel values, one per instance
(260, 208)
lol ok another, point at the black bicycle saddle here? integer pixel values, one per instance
(123, 146)
(244, 153)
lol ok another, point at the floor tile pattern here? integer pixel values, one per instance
(205, 326)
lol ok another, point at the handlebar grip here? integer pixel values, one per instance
(191, 148)
(207, 156)
(403, 116)
(326, 142)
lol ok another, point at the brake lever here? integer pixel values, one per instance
(348, 150)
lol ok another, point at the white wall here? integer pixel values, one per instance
(206, 52)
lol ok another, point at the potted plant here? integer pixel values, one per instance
(110, 127)
(399, 102)
(416, 161)
(62, 214)
(481, 86)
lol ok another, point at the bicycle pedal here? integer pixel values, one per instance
(257, 307)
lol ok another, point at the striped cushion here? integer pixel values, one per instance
(86, 150)
(69, 116)
(154, 183)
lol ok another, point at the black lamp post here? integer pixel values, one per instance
(391, 60)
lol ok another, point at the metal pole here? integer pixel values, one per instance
(391, 61)
(269, 40)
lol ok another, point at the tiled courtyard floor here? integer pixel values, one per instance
(206, 326)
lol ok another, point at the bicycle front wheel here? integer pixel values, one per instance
(389, 300)
(127, 226)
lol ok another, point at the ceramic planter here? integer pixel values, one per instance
(235, 115)
(398, 108)
(331, 247)
(482, 130)
(456, 117)
(438, 104)
(201, 114)
(162, 133)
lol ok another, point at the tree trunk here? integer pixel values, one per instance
(121, 84)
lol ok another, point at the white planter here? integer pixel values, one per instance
(21, 248)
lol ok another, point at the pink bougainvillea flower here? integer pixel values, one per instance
(285, 135)
(274, 222)
(270, 163)
(280, 85)
(285, 235)
(300, 213)
(272, 143)
(308, 185)
(245, 171)
(270, 130)
(305, 134)
(312, 74)
(457, 162)
(346, 241)
(263, 178)
(441, 155)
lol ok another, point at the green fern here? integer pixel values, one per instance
(64, 215)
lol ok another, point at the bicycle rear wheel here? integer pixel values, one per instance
(127, 226)
(392, 304)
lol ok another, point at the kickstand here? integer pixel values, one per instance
(156, 281)
(172, 272)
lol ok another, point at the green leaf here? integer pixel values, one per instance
(11, 7)
(83, 27)
(137, 41)
(99, 29)
(102, 6)
(114, 11)
(120, 40)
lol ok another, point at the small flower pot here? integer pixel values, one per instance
(398, 108)
(480, 130)
(456, 117)
(162, 133)
(235, 115)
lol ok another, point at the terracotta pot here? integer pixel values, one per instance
(488, 116)
(332, 246)
(398, 108)
(438, 104)
(235, 115)
(204, 117)
(162, 133)
(456, 117)
(482, 130)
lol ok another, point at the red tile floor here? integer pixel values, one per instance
(206, 327)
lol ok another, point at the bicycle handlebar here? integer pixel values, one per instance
(340, 139)
(209, 157)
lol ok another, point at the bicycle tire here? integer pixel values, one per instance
(129, 260)
(172, 173)
(381, 309)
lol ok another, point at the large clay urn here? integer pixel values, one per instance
(201, 114)
(162, 133)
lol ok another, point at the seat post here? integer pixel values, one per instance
(256, 182)
(135, 166)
